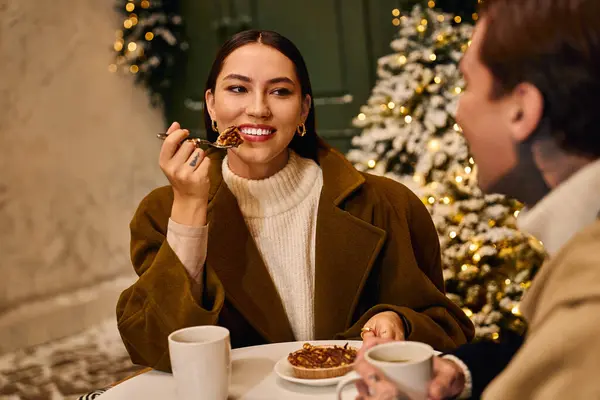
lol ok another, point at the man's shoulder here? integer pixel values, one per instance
(581, 253)
(572, 277)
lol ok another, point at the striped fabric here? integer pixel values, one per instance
(92, 395)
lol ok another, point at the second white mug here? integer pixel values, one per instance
(201, 362)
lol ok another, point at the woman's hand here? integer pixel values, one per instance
(186, 168)
(385, 325)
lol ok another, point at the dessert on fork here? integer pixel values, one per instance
(229, 137)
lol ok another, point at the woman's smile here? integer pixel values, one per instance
(257, 133)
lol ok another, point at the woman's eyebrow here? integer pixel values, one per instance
(281, 79)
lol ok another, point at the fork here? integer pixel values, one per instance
(198, 141)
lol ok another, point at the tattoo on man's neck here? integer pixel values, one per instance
(195, 160)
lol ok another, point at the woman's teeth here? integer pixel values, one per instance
(256, 132)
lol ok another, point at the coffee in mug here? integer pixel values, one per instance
(408, 364)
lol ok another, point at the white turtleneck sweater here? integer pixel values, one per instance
(281, 215)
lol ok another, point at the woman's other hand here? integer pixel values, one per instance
(385, 325)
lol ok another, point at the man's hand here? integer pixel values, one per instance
(448, 379)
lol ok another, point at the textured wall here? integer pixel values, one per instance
(77, 154)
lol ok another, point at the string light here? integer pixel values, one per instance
(441, 18)
(459, 179)
(149, 36)
(419, 90)
(362, 116)
(384, 107)
(433, 57)
(133, 18)
(440, 38)
(145, 4)
(424, 22)
(431, 200)
(475, 16)
(457, 90)
(457, 19)
(516, 214)
(130, 7)
(127, 24)
(437, 80)
(372, 164)
(468, 170)
(134, 69)
(396, 22)
(408, 119)
(446, 200)
(396, 12)
(118, 46)
(131, 46)
(515, 310)
(431, 4)
(391, 105)
(453, 235)
(403, 109)
(473, 247)
(464, 267)
(507, 282)
(402, 59)
(495, 336)
(421, 28)
(476, 257)
(456, 127)
(433, 145)
(471, 161)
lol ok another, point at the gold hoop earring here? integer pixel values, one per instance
(214, 126)
(301, 130)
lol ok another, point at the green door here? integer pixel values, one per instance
(340, 40)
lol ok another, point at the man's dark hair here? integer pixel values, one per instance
(554, 45)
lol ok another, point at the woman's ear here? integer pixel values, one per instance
(209, 101)
(306, 103)
(527, 109)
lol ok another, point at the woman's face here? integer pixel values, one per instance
(258, 91)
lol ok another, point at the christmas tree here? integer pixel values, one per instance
(150, 44)
(410, 135)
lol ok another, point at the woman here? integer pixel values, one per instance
(280, 239)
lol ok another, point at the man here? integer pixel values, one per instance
(531, 115)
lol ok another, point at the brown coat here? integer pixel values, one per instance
(560, 357)
(376, 250)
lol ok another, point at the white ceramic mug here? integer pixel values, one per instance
(412, 375)
(201, 362)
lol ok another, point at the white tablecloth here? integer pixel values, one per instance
(252, 379)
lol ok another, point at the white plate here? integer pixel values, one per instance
(284, 370)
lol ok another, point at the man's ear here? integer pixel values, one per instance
(526, 108)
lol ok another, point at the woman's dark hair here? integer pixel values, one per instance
(554, 45)
(305, 146)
